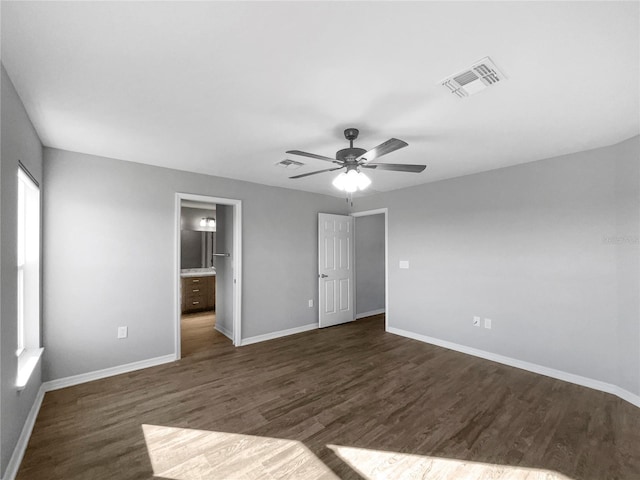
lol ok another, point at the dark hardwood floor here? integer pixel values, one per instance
(346, 402)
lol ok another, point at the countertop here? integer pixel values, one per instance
(197, 272)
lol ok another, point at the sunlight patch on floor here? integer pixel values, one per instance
(378, 465)
(187, 454)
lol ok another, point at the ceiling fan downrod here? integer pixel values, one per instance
(351, 134)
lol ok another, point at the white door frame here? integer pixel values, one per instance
(385, 212)
(236, 262)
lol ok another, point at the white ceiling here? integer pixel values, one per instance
(224, 88)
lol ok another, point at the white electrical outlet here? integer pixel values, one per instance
(476, 321)
(487, 323)
(122, 332)
(404, 263)
(310, 303)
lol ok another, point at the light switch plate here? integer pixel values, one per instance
(404, 263)
(476, 321)
(487, 323)
(122, 332)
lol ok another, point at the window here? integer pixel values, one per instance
(28, 279)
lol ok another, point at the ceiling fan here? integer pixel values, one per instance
(353, 159)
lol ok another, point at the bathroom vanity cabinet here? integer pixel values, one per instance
(198, 293)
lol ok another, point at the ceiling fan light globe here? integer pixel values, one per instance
(350, 188)
(352, 182)
(339, 181)
(363, 181)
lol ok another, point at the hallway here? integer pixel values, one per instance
(198, 333)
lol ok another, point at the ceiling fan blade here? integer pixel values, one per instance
(313, 155)
(389, 146)
(319, 171)
(396, 167)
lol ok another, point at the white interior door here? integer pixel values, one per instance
(335, 269)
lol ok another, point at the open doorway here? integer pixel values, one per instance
(199, 259)
(370, 264)
(208, 266)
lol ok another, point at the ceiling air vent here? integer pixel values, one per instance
(290, 164)
(479, 76)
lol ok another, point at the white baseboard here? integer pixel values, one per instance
(369, 314)
(107, 372)
(281, 333)
(531, 367)
(23, 440)
(627, 396)
(225, 331)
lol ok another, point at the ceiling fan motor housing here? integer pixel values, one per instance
(348, 155)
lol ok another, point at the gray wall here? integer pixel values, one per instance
(125, 211)
(548, 250)
(19, 142)
(369, 263)
(625, 244)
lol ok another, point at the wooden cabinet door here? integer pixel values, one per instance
(198, 293)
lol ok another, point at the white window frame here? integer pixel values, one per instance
(28, 349)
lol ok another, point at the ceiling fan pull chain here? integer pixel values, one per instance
(349, 199)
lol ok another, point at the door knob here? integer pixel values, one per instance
(323, 276)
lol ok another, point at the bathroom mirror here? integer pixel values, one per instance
(197, 249)
(197, 236)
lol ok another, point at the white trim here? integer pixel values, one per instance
(199, 205)
(278, 334)
(369, 212)
(237, 269)
(225, 331)
(177, 287)
(385, 212)
(27, 362)
(531, 367)
(626, 395)
(107, 372)
(21, 445)
(369, 314)
(236, 335)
